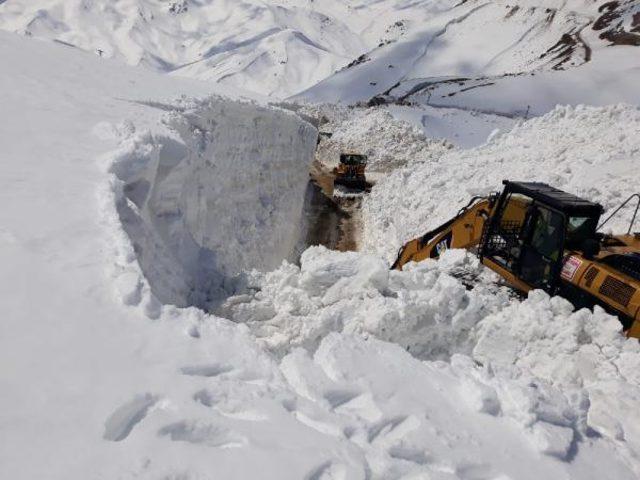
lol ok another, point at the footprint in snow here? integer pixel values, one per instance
(206, 398)
(122, 421)
(204, 434)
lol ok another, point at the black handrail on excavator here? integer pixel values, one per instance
(635, 213)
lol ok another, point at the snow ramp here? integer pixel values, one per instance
(222, 194)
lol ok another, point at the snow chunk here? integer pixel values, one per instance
(552, 439)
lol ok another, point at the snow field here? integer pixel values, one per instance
(225, 196)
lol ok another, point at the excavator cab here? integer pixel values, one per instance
(532, 226)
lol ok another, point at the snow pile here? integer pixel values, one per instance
(551, 371)
(542, 337)
(390, 143)
(225, 198)
(587, 151)
(424, 309)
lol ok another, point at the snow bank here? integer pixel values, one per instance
(226, 197)
(588, 151)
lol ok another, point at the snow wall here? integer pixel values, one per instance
(225, 195)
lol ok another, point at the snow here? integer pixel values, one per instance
(611, 78)
(534, 364)
(251, 44)
(157, 321)
(227, 196)
(80, 370)
(536, 57)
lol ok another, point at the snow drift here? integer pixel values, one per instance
(226, 197)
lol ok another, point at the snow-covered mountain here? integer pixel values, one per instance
(284, 47)
(478, 44)
(274, 47)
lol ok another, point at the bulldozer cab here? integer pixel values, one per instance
(532, 226)
(354, 159)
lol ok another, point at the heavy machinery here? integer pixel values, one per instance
(538, 237)
(350, 171)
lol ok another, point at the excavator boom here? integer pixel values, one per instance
(462, 231)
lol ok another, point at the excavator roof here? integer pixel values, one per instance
(563, 201)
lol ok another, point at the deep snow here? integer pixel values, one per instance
(333, 369)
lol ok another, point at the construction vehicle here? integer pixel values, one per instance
(538, 237)
(350, 171)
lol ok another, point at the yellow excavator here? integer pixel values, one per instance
(538, 237)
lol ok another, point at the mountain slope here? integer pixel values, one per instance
(481, 43)
(354, 49)
(276, 47)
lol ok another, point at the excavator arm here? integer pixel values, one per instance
(462, 231)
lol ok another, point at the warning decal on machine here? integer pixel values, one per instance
(570, 267)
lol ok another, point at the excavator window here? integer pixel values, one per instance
(580, 229)
(527, 238)
(542, 248)
(504, 239)
(347, 159)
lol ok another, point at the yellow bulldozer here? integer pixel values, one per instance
(538, 237)
(350, 171)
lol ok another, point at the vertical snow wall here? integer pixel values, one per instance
(225, 197)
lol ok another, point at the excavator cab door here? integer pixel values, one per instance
(541, 252)
(525, 241)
